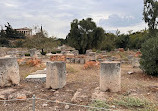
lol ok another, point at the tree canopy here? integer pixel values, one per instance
(151, 13)
(85, 35)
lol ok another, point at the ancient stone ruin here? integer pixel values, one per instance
(9, 72)
(33, 53)
(110, 76)
(55, 75)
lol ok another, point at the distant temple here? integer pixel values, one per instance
(26, 31)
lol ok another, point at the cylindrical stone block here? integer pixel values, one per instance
(56, 75)
(110, 76)
(9, 72)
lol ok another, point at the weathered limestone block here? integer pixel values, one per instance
(75, 52)
(2, 52)
(82, 61)
(92, 53)
(87, 52)
(77, 60)
(135, 62)
(9, 72)
(56, 75)
(68, 60)
(72, 60)
(33, 52)
(110, 76)
(100, 60)
(103, 52)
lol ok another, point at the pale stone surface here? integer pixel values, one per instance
(72, 60)
(110, 76)
(36, 76)
(56, 75)
(75, 52)
(92, 53)
(77, 60)
(68, 60)
(103, 52)
(82, 61)
(135, 62)
(87, 52)
(33, 52)
(9, 72)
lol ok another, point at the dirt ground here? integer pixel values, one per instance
(132, 85)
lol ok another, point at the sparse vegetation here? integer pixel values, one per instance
(70, 69)
(99, 104)
(135, 104)
(130, 103)
(27, 54)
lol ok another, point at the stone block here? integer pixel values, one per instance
(135, 62)
(55, 75)
(77, 60)
(103, 52)
(33, 53)
(82, 61)
(87, 52)
(110, 76)
(9, 72)
(72, 60)
(75, 52)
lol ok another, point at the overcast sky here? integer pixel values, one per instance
(56, 15)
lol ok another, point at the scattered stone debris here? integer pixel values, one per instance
(67, 107)
(98, 95)
(130, 72)
(45, 105)
(78, 96)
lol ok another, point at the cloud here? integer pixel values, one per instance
(56, 15)
(119, 21)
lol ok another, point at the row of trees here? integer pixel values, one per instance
(11, 38)
(85, 35)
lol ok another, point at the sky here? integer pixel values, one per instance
(57, 15)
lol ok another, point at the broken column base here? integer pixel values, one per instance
(110, 76)
(55, 75)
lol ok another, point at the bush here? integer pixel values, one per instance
(108, 47)
(4, 42)
(27, 54)
(58, 51)
(149, 58)
(43, 53)
(53, 52)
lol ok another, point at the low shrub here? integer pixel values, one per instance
(43, 53)
(27, 54)
(58, 51)
(53, 52)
